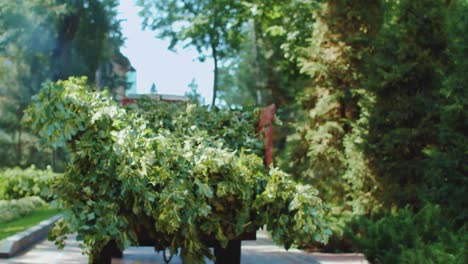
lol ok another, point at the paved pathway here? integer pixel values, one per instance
(261, 251)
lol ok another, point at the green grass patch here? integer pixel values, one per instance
(10, 228)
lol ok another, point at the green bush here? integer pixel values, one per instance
(407, 237)
(17, 183)
(446, 168)
(180, 175)
(13, 209)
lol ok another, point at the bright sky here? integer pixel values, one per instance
(154, 63)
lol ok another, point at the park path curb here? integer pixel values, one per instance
(27, 238)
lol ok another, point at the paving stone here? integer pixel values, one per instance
(47, 253)
(261, 251)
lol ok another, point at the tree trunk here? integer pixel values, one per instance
(229, 255)
(54, 160)
(19, 146)
(278, 97)
(61, 60)
(215, 79)
(258, 80)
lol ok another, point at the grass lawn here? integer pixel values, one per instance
(10, 228)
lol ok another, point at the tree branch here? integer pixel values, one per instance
(189, 7)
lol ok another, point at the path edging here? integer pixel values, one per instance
(27, 238)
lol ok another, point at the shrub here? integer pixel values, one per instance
(407, 237)
(17, 183)
(13, 209)
(178, 175)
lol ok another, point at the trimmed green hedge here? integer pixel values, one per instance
(17, 183)
(14, 209)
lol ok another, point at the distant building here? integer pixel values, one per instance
(131, 98)
(131, 82)
(118, 76)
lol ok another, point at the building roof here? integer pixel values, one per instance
(160, 97)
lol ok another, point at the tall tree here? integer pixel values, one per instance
(446, 169)
(279, 41)
(27, 38)
(241, 79)
(193, 95)
(326, 149)
(88, 35)
(208, 25)
(153, 89)
(48, 39)
(405, 76)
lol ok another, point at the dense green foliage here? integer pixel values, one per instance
(27, 39)
(384, 116)
(405, 78)
(234, 129)
(445, 168)
(407, 237)
(50, 39)
(372, 94)
(18, 183)
(336, 108)
(179, 173)
(407, 140)
(380, 118)
(14, 209)
(25, 222)
(278, 41)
